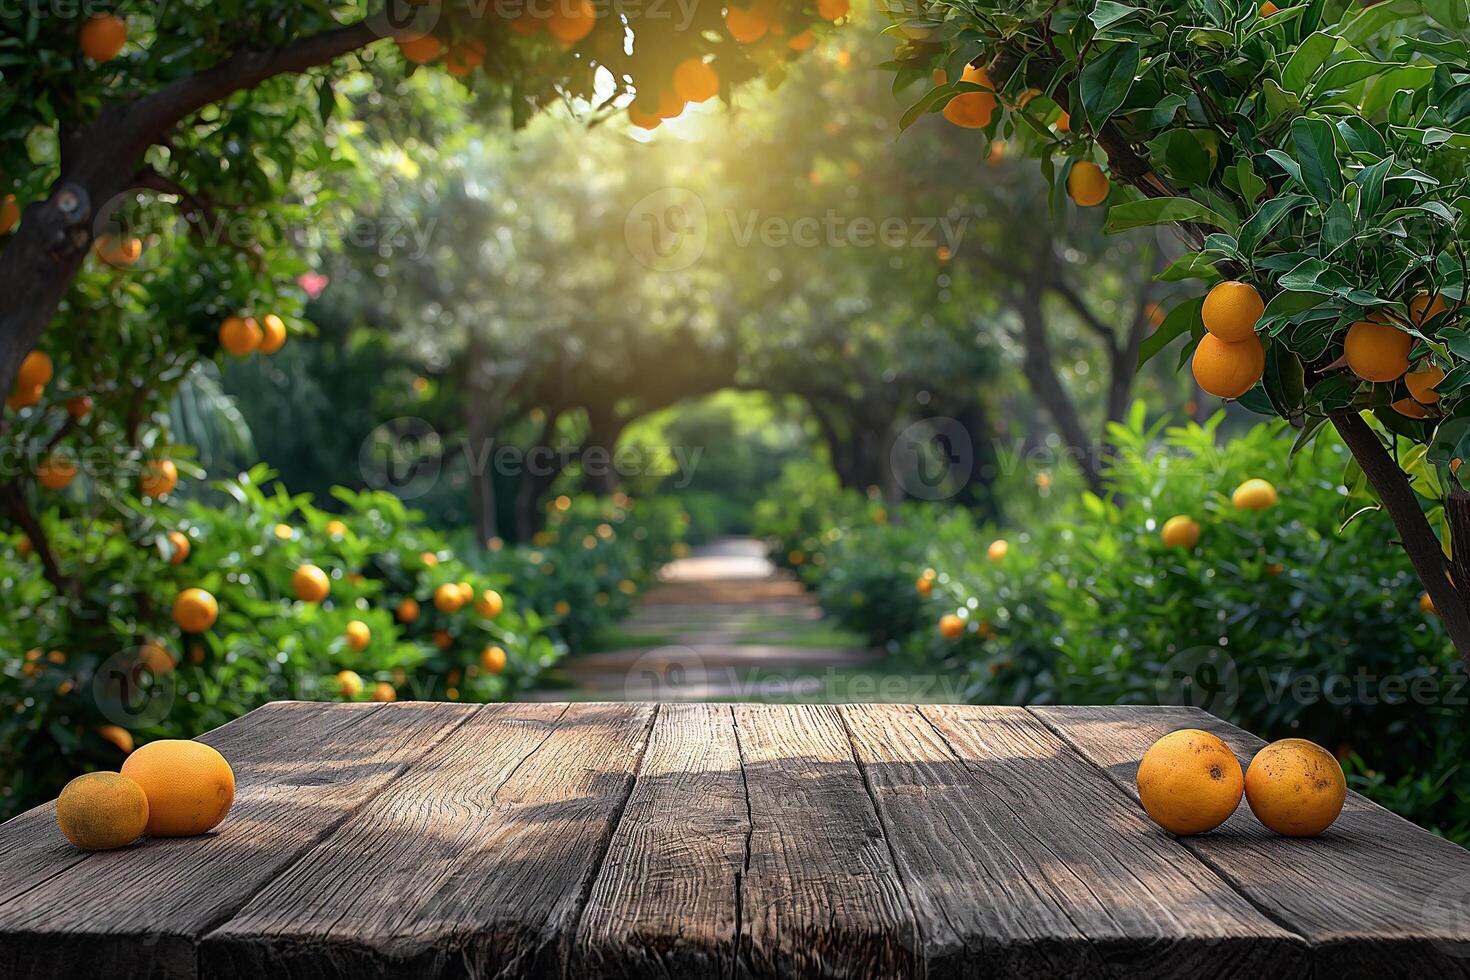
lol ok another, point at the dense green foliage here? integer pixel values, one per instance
(1276, 618)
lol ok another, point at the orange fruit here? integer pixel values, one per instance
(384, 692)
(833, 9)
(643, 120)
(669, 104)
(56, 471)
(489, 604)
(102, 810)
(562, 608)
(1255, 494)
(407, 611)
(1232, 310)
(998, 549)
(1268, 8)
(1409, 408)
(349, 683)
(443, 640)
(118, 736)
(272, 333)
(1423, 308)
(746, 25)
(571, 20)
(310, 584)
(159, 478)
(1189, 782)
(421, 49)
(449, 598)
(239, 335)
(1087, 185)
(1228, 370)
(26, 397)
(492, 659)
(695, 80)
(972, 110)
(103, 36)
(181, 547)
(1421, 383)
(951, 626)
(1377, 351)
(189, 786)
(195, 610)
(802, 41)
(1295, 787)
(36, 369)
(155, 659)
(336, 529)
(429, 558)
(9, 213)
(358, 635)
(79, 407)
(1180, 531)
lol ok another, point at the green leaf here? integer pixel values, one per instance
(1107, 13)
(1260, 224)
(1181, 319)
(1106, 81)
(1161, 210)
(1370, 181)
(1309, 56)
(1185, 155)
(1194, 265)
(1346, 73)
(1454, 14)
(1316, 153)
(1163, 114)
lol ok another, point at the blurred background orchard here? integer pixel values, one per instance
(526, 368)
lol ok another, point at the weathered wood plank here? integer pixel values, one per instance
(300, 768)
(1022, 862)
(476, 863)
(821, 896)
(664, 903)
(1374, 895)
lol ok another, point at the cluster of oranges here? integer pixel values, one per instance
(243, 335)
(168, 788)
(1230, 359)
(1189, 782)
(1183, 531)
(952, 626)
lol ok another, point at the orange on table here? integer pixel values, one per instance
(101, 811)
(1295, 787)
(189, 786)
(1189, 782)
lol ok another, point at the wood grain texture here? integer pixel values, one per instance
(300, 769)
(1022, 861)
(1374, 895)
(476, 863)
(665, 902)
(821, 896)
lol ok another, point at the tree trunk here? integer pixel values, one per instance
(533, 485)
(1419, 540)
(1046, 385)
(604, 428)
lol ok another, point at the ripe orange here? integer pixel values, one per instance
(562, 608)
(195, 610)
(489, 604)
(36, 369)
(159, 478)
(746, 25)
(239, 335)
(972, 110)
(118, 736)
(643, 120)
(429, 558)
(384, 692)
(310, 584)
(272, 333)
(1377, 351)
(421, 49)
(998, 549)
(951, 626)
(358, 635)
(181, 546)
(103, 36)
(571, 20)
(1189, 782)
(1232, 310)
(1087, 185)
(1421, 382)
(407, 611)
(924, 586)
(1295, 787)
(449, 598)
(492, 659)
(1410, 408)
(1268, 8)
(155, 659)
(1228, 370)
(336, 529)
(1180, 531)
(349, 683)
(696, 80)
(1423, 308)
(189, 786)
(56, 471)
(1256, 494)
(802, 41)
(833, 9)
(79, 407)
(443, 640)
(9, 213)
(25, 397)
(102, 810)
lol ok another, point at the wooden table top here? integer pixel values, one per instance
(535, 840)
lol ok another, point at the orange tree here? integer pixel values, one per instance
(220, 105)
(1313, 158)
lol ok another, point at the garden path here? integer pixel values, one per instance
(724, 624)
